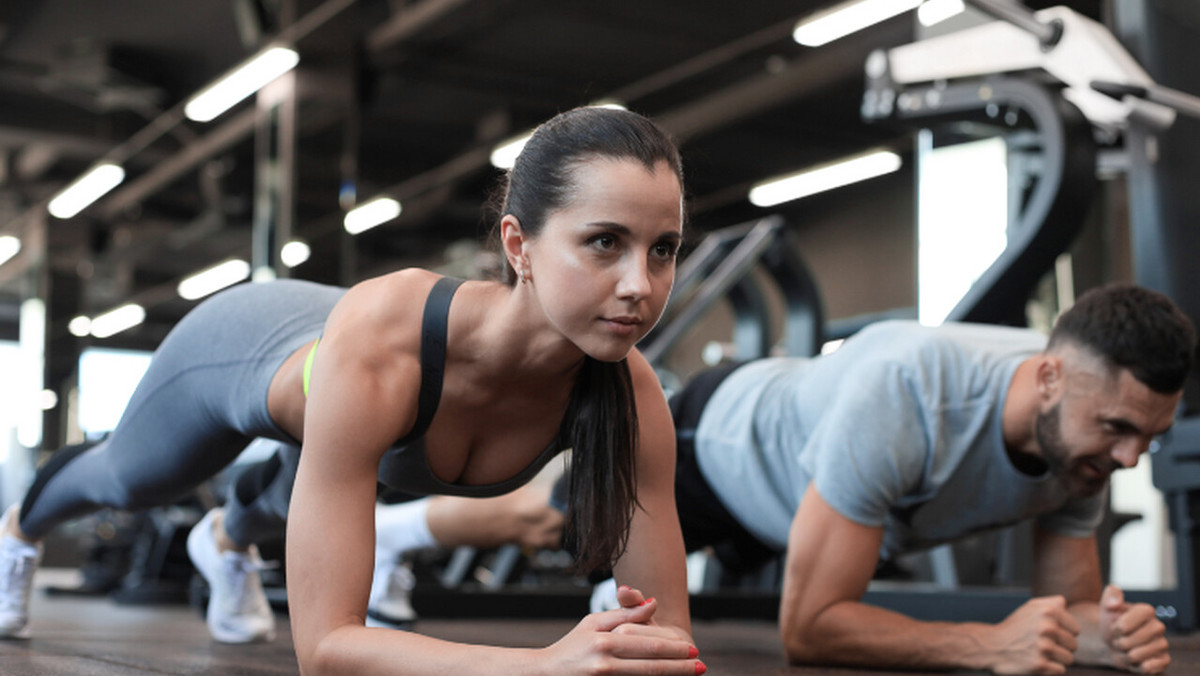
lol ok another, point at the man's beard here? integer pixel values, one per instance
(1057, 456)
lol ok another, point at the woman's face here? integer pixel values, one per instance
(602, 266)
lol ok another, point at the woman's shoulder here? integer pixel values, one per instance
(389, 297)
(406, 282)
(382, 313)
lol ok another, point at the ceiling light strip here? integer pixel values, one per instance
(213, 279)
(85, 190)
(9, 246)
(115, 321)
(370, 214)
(239, 84)
(849, 17)
(823, 178)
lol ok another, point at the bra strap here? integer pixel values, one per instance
(434, 326)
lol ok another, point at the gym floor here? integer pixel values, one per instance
(88, 636)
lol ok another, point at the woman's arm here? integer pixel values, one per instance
(654, 561)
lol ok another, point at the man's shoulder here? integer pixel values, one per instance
(903, 334)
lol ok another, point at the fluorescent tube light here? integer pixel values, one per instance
(504, 155)
(846, 18)
(608, 103)
(242, 82)
(115, 321)
(933, 12)
(80, 326)
(213, 279)
(370, 214)
(9, 246)
(86, 189)
(822, 178)
(294, 253)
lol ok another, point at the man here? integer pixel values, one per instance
(911, 437)
(905, 438)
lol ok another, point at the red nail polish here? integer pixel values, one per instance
(692, 652)
(646, 601)
(700, 668)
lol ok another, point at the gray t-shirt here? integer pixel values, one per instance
(901, 428)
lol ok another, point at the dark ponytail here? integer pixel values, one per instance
(601, 429)
(601, 424)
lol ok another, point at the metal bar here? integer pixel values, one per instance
(805, 75)
(739, 261)
(699, 64)
(1018, 15)
(410, 20)
(215, 142)
(1173, 98)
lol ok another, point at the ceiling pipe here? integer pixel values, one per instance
(409, 21)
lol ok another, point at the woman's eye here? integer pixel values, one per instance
(604, 241)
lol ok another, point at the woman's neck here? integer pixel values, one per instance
(512, 342)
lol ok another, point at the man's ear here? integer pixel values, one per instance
(1050, 377)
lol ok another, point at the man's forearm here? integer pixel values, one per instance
(857, 634)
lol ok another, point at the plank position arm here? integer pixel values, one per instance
(830, 561)
(654, 562)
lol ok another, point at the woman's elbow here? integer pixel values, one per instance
(319, 656)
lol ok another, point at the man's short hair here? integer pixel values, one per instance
(1132, 328)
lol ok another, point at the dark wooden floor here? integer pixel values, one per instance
(80, 636)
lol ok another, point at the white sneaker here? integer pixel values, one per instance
(390, 602)
(18, 561)
(238, 611)
(604, 596)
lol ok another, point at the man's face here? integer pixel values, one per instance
(1102, 422)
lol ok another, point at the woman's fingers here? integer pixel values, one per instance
(629, 597)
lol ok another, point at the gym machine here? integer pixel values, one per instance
(721, 267)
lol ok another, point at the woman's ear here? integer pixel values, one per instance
(512, 240)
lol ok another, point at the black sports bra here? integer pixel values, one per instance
(405, 466)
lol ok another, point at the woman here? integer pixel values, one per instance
(433, 386)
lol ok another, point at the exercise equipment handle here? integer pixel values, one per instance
(1180, 102)
(1048, 34)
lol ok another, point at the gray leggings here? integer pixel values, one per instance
(202, 400)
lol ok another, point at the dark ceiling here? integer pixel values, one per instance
(402, 98)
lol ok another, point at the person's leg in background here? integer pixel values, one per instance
(222, 545)
(526, 517)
